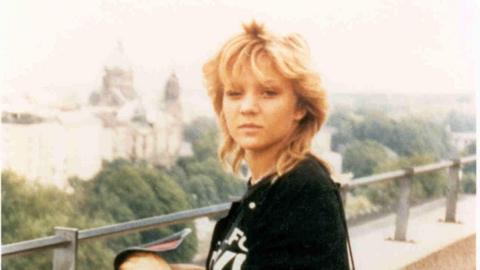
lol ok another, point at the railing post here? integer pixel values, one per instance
(403, 206)
(454, 177)
(64, 257)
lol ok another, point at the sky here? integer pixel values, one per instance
(57, 48)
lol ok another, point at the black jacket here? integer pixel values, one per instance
(295, 223)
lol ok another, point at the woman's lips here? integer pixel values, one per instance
(249, 127)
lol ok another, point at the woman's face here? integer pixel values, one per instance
(259, 117)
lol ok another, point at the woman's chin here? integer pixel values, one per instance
(252, 146)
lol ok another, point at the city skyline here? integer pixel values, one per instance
(375, 46)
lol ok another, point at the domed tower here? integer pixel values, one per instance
(117, 88)
(171, 100)
(169, 124)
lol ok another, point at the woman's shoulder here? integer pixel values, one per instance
(309, 173)
(303, 200)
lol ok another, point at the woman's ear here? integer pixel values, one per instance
(300, 112)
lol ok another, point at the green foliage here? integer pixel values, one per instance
(198, 128)
(413, 136)
(202, 175)
(362, 157)
(31, 211)
(206, 147)
(25, 214)
(202, 133)
(471, 149)
(220, 183)
(124, 191)
(378, 127)
(407, 136)
(120, 192)
(424, 186)
(203, 189)
(23, 217)
(468, 183)
(460, 122)
(365, 138)
(344, 121)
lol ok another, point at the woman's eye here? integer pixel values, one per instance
(270, 93)
(232, 93)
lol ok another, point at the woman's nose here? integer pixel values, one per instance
(249, 104)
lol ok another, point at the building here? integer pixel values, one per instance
(50, 144)
(50, 148)
(130, 130)
(117, 88)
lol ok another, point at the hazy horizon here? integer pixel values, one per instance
(376, 46)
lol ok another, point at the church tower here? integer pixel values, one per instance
(169, 126)
(171, 99)
(117, 87)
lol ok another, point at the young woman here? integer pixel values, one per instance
(270, 104)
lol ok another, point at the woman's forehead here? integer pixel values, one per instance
(265, 75)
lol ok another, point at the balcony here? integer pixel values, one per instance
(426, 236)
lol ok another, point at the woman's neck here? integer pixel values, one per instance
(261, 163)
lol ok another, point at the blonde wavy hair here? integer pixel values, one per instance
(290, 57)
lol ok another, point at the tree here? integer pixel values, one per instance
(415, 136)
(31, 211)
(202, 175)
(198, 128)
(344, 121)
(424, 186)
(407, 137)
(362, 157)
(121, 191)
(460, 122)
(206, 181)
(376, 126)
(124, 191)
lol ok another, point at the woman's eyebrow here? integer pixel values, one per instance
(271, 83)
(231, 85)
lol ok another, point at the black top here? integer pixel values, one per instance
(296, 222)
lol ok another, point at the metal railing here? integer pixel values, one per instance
(66, 240)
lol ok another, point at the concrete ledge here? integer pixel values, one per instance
(459, 255)
(426, 235)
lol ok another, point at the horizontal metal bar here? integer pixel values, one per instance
(32, 245)
(377, 178)
(151, 222)
(468, 159)
(185, 216)
(432, 167)
(121, 228)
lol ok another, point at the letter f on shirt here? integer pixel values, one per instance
(236, 234)
(221, 259)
